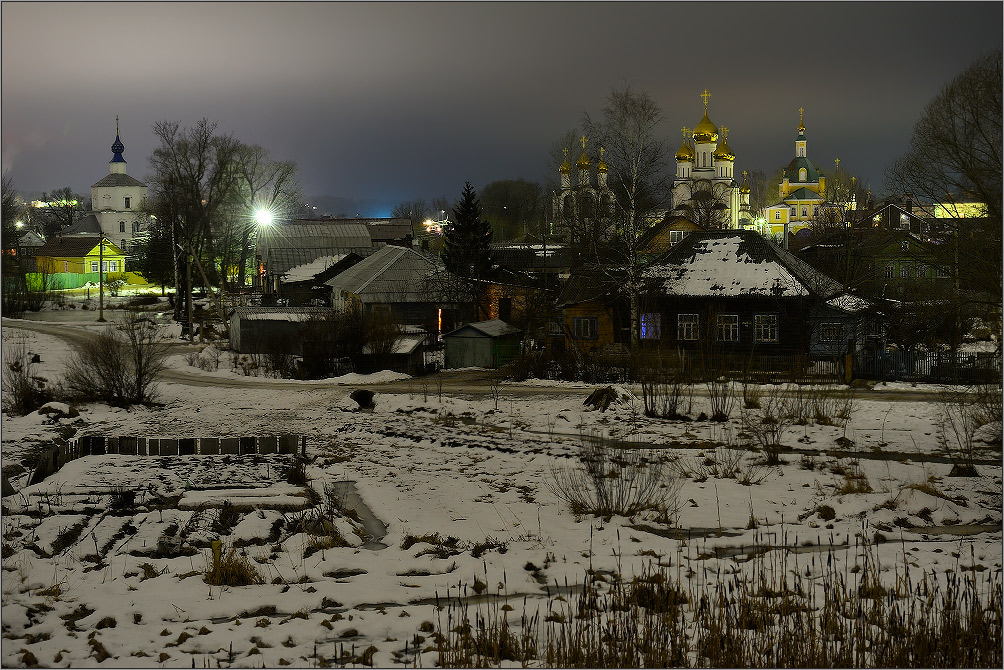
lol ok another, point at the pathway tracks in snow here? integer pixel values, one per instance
(475, 383)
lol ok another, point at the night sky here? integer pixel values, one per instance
(385, 102)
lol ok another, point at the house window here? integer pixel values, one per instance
(805, 212)
(765, 327)
(686, 326)
(904, 221)
(942, 273)
(676, 236)
(121, 226)
(728, 327)
(890, 271)
(921, 271)
(903, 274)
(128, 202)
(777, 216)
(104, 266)
(66, 266)
(135, 226)
(651, 326)
(94, 266)
(113, 266)
(831, 332)
(794, 212)
(802, 174)
(556, 327)
(584, 328)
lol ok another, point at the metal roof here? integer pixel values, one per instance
(493, 328)
(74, 246)
(313, 235)
(391, 275)
(280, 260)
(117, 179)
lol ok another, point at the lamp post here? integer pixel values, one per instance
(101, 283)
(263, 218)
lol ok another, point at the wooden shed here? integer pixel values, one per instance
(485, 344)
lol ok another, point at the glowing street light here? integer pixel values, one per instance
(263, 217)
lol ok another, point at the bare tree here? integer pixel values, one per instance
(708, 205)
(194, 176)
(637, 160)
(955, 157)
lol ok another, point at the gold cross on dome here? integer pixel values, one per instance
(705, 95)
(801, 110)
(725, 132)
(565, 149)
(744, 175)
(686, 133)
(601, 152)
(836, 162)
(583, 140)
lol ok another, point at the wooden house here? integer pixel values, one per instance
(81, 254)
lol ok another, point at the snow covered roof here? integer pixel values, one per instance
(309, 270)
(405, 343)
(390, 275)
(281, 260)
(280, 313)
(848, 302)
(492, 328)
(736, 263)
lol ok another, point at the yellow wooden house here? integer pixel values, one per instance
(81, 254)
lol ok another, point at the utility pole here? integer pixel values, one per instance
(101, 280)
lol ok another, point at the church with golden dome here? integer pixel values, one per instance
(582, 212)
(705, 190)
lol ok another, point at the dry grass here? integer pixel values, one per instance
(232, 569)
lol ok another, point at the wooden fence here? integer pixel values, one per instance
(96, 445)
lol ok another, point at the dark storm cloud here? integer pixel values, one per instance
(398, 100)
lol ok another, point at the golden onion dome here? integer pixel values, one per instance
(745, 187)
(565, 167)
(583, 161)
(706, 131)
(685, 153)
(601, 166)
(723, 152)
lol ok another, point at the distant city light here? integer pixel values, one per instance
(19, 224)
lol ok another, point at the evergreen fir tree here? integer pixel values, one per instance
(467, 250)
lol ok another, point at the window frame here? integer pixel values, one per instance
(578, 331)
(723, 328)
(650, 326)
(128, 202)
(769, 322)
(94, 266)
(828, 329)
(688, 330)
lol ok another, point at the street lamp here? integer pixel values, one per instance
(263, 217)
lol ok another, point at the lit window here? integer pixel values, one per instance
(584, 328)
(728, 327)
(651, 326)
(676, 236)
(890, 271)
(765, 327)
(903, 271)
(794, 212)
(113, 266)
(686, 326)
(805, 212)
(904, 221)
(94, 266)
(831, 332)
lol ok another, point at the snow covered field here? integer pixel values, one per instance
(93, 573)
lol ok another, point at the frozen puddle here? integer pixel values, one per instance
(349, 499)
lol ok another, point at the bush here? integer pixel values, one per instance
(120, 365)
(26, 392)
(767, 423)
(617, 482)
